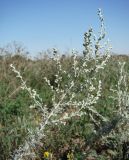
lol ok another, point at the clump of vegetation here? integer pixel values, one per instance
(78, 109)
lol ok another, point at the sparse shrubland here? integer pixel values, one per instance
(57, 106)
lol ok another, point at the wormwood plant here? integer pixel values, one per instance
(74, 97)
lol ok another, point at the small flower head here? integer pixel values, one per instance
(46, 154)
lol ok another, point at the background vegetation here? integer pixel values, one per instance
(16, 117)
